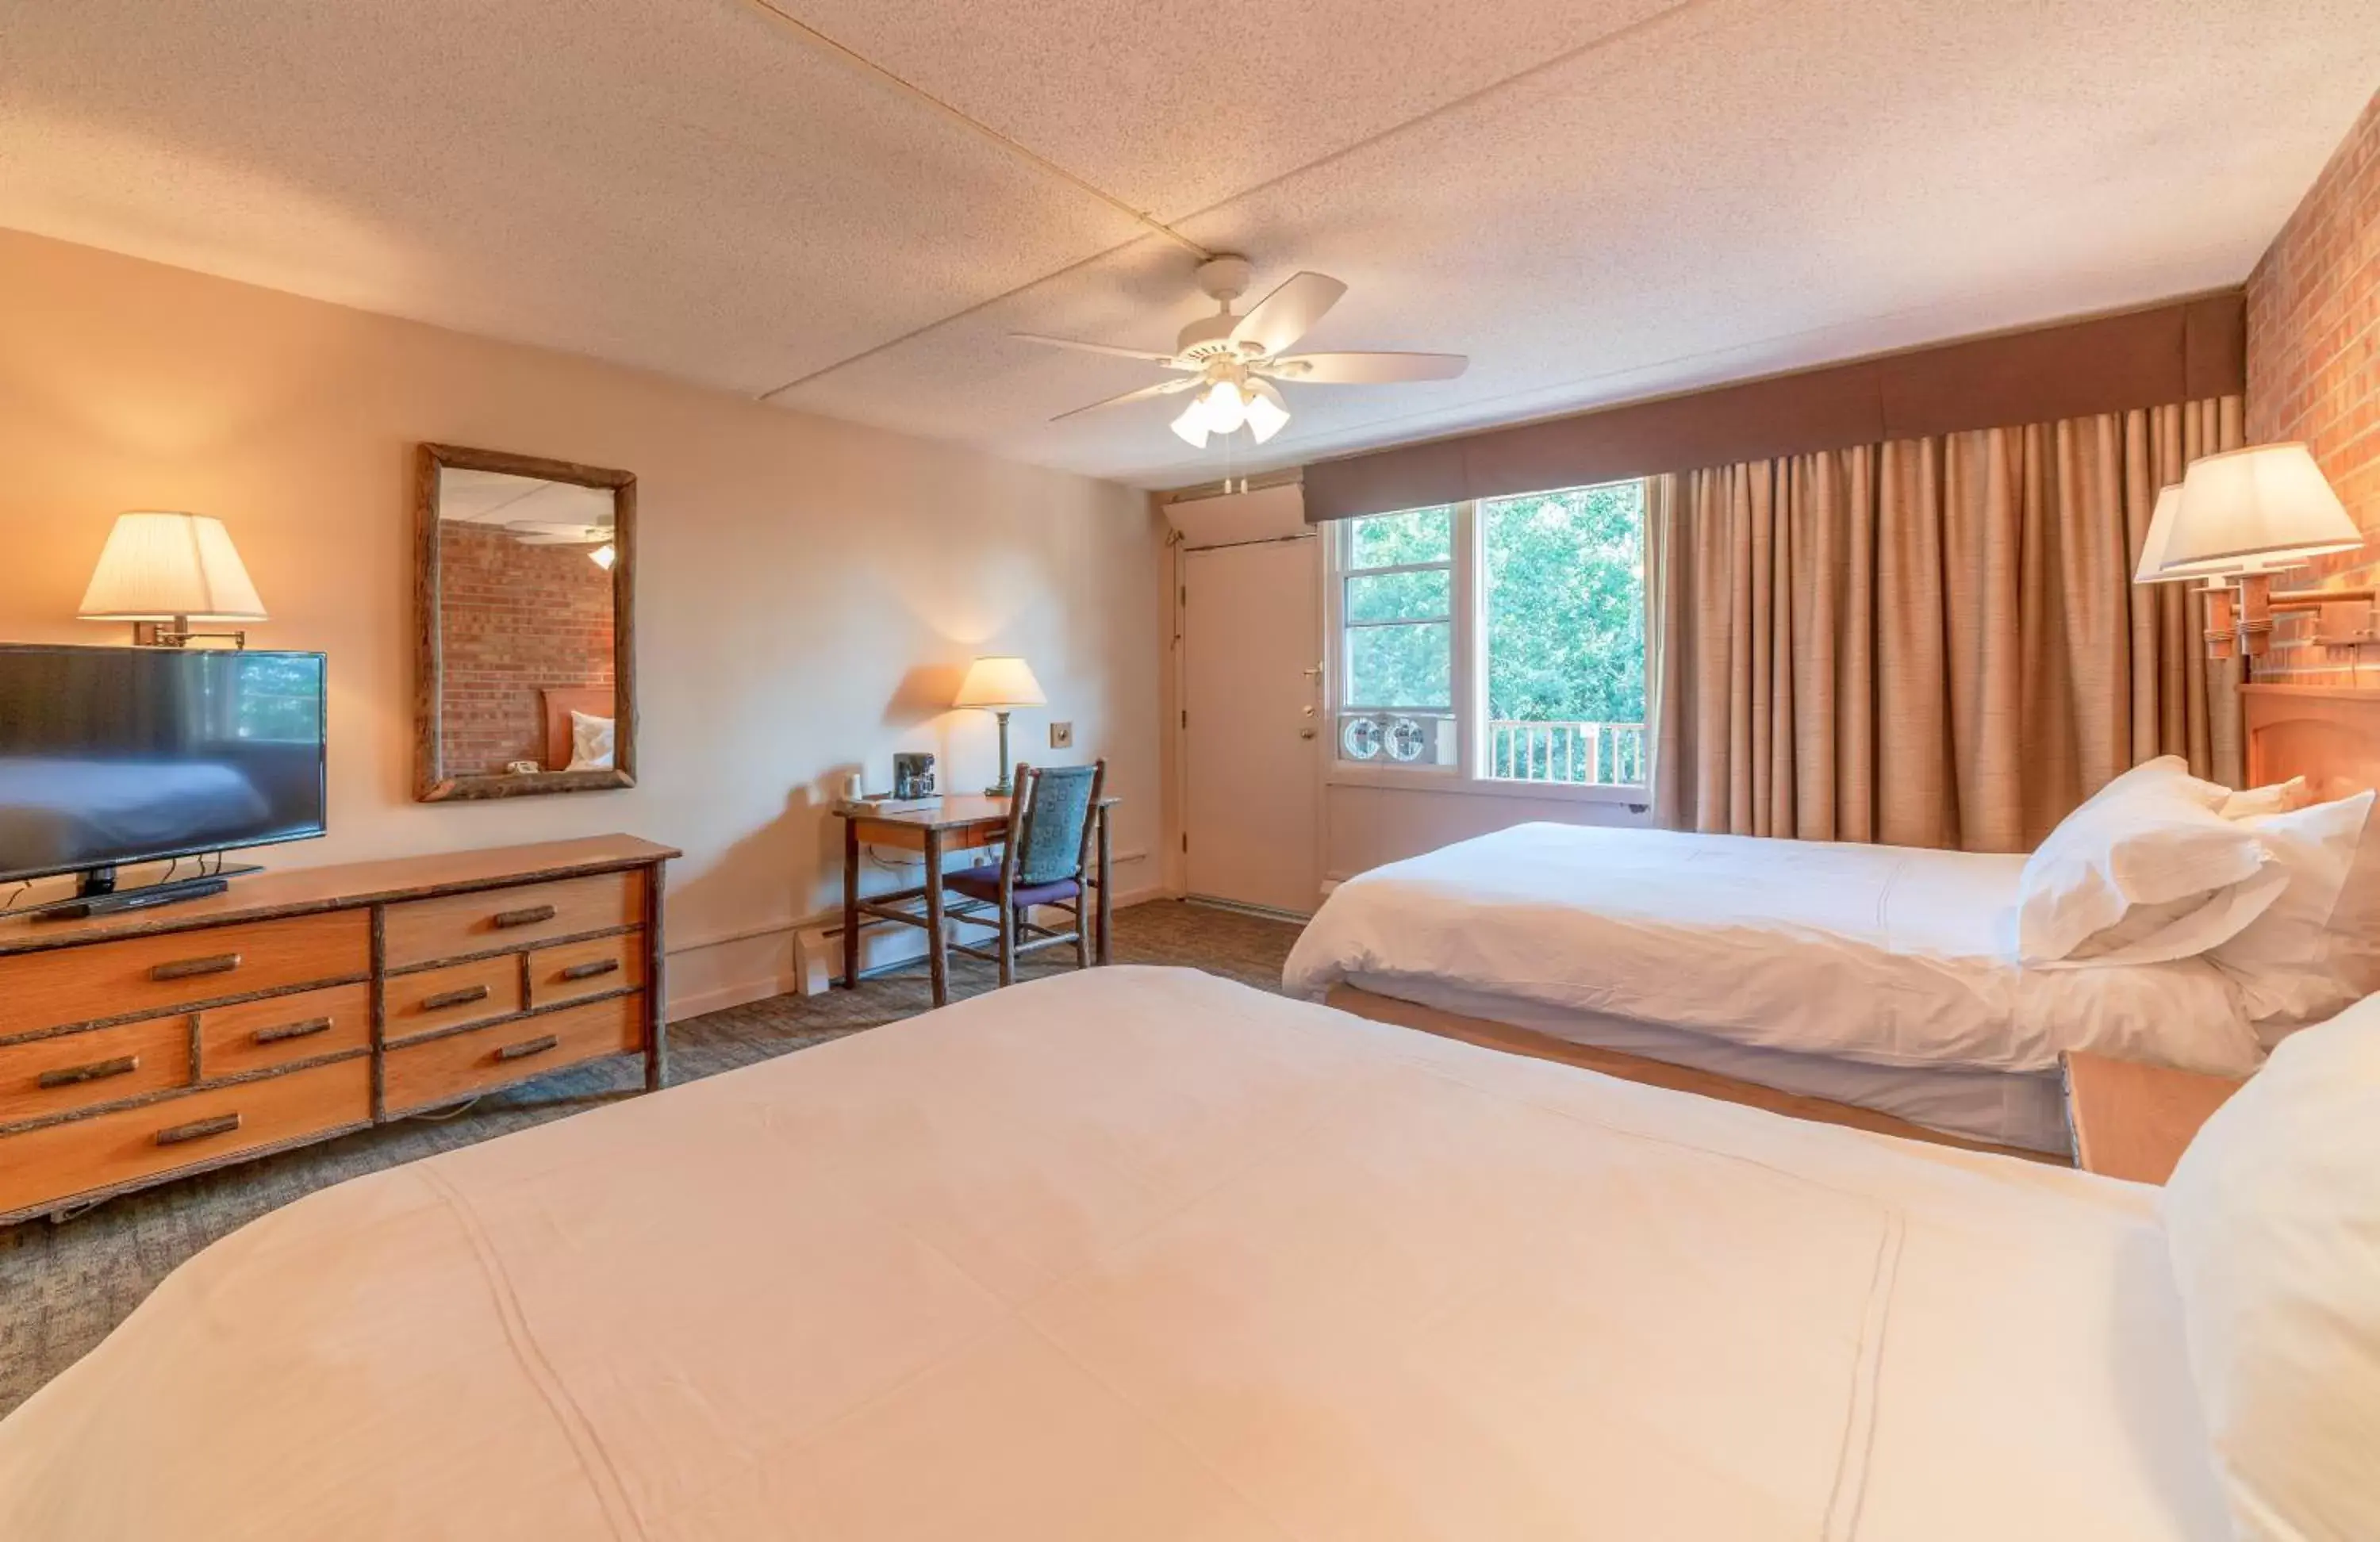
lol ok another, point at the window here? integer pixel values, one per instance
(1396, 607)
(1496, 642)
(1563, 590)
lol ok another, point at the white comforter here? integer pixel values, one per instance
(1141, 1255)
(1877, 954)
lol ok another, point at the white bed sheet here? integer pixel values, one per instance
(1144, 1253)
(2007, 1108)
(1882, 954)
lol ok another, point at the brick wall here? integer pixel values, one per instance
(515, 619)
(2313, 371)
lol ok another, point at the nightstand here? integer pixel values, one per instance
(2129, 1120)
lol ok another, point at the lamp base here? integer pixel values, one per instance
(1006, 785)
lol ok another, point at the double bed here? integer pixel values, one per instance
(1143, 1254)
(1874, 985)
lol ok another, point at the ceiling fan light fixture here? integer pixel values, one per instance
(1191, 427)
(1266, 413)
(1224, 408)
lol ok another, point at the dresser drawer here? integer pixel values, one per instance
(464, 1064)
(448, 998)
(136, 975)
(46, 1077)
(107, 1150)
(281, 1030)
(575, 971)
(425, 932)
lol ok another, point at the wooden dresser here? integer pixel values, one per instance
(140, 1047)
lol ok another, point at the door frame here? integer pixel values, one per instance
(1178, 671)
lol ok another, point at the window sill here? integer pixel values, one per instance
(1448, 780)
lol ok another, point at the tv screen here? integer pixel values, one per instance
(118, 755)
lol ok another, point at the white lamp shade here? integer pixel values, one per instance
(2154, 569)
(2253, 510)
(1267, 412)
(157, 566)
(1192, 425)
(999, 683)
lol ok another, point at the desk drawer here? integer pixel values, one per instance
(465, 1064)
(46, 1077)
(178, 969)
(281, 1030)
(107, 1150)
(596, 967)
(478, 991)
(426, 931)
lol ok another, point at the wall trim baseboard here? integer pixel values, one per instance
(826, 927)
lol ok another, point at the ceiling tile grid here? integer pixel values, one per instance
(848, 205)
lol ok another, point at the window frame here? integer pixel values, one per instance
(1469, 645)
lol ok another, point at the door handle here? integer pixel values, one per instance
(1305, 732)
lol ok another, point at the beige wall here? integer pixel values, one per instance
(808, 595)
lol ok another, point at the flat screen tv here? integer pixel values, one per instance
(111, 756)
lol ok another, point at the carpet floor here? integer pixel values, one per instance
(62, 1287)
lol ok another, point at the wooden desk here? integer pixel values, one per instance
(2133, 1121)
(963, 822)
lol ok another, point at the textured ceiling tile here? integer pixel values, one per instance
(1174, 107)
(1750, 188)
(1662, 193)
(686, 186)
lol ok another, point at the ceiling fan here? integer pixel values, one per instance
(1231, 361)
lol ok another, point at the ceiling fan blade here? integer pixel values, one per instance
(1289, 312)
(1144, 356)
(1162, 388)
(1366, 369)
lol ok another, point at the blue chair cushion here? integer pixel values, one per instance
(983, 884)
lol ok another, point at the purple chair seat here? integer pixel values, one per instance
(983, 884)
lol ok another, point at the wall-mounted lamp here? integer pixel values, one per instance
(997, 684)
(163, 570)
(2235, 520)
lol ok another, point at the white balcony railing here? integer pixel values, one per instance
(1587, 754)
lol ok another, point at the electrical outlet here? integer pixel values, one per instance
(1061, 735)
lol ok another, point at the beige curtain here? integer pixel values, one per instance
(1931, 642)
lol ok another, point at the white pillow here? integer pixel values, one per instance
(590, 743)
(2277, 798)
(2150, 837)
(2272, 1221)
(2292, 964)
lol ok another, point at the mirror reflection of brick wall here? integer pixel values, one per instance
(516, 619)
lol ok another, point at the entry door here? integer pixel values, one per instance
(1252, 645)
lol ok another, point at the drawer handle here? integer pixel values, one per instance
(199, 1129)
(463, 996)
(506, 919)
(98, 1069)
(591, 969)
(528, 1047)
(185, 968)
(307, 1029)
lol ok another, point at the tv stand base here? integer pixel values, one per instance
(108, 901)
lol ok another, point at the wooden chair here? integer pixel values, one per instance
(1045, 860)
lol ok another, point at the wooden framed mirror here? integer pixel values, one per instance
(525, 586)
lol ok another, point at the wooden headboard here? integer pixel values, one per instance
(2329, 734)
(560, 702)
